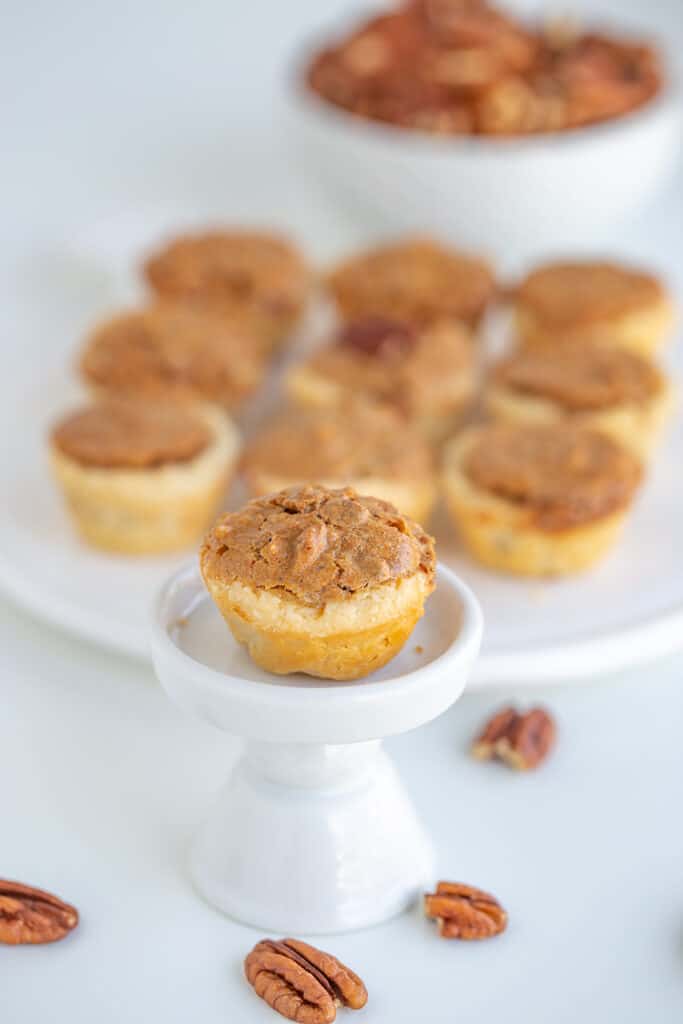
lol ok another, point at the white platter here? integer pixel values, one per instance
(629, 609)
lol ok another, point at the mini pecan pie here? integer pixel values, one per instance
(611, 389)
(254, 275)
(358, 444)
(143, 477)
(172, 351)
(539, 500)
(417, 280)
(319, 581)
(426, 374)
(562, 303)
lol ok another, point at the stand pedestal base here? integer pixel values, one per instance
(310, 839)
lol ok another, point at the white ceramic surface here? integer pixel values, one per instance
(517, 196)
(313, 832)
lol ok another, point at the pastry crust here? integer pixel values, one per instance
(505, 535)
(520, 390)
(153, 509)
(568, 303)
(351, 639)
(430, 379)
(319, 581)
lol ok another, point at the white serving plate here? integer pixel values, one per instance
(629, 609)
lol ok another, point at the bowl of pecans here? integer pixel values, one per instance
(452, 116)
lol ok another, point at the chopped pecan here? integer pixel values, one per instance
(301, 982)
(378, 336)
(31, 916)
(522, 741)
(463, 912)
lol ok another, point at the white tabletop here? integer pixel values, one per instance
(102, 780)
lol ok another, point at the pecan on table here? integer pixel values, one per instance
(463, 912)
(301, 982)
(521, 740)
(29, 916)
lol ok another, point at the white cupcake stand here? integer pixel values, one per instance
(314, 832)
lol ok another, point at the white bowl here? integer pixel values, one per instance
(513, 197)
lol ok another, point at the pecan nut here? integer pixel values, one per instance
(378, 336)
(31, 916)
(301, 982)
(521, 740)
(463, 912)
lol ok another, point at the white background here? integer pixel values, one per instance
(109, 109)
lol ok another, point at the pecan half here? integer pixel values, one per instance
(301, 982)
(521, 740)
(378, 336)
(463, 912)
(31, 916)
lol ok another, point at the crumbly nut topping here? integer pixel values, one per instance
(121, 434)
(582, 377)
(171, 350)
(564, 475)
(417, 281)
(314, 545)
(413, 377)
(235, 269)
(355, 440)
(565, 294)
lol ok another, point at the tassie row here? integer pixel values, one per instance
(573, 409)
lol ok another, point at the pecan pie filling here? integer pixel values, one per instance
(564, 294)
(393, 363)
(417, 281)
(313, 444)
(171, 350)
(118, 434)
(315, 545)
(565, 476)
(581, 378)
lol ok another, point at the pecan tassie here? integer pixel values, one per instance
(521, 740)
(463, 912)
(301, 982)
(30, 916)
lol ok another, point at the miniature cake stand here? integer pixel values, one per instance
(314, 832)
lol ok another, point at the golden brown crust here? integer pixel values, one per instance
(581, 378)
(417, 280)
(236, 271)
(120, 434)
(169, 350)
(564, 475)
(563, 295)
(351, 441)
(414, 371)
(314, 545)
